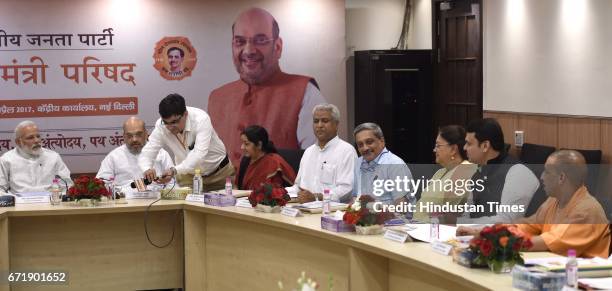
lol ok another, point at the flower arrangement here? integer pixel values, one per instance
(358, 213)
(499, 246)
(88, 188)
(269, 194)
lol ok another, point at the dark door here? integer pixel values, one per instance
(457, 43)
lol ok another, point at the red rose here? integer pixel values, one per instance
(475, 242)
(486, 231)
(486, 247)
(516, 246)
(366, 198)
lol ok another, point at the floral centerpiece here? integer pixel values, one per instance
(308, 284)
(499, 247)
(366, 221)
(269, 197)
(88, 188)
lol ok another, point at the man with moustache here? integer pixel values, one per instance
(175, 60)
(377, 163)
(29, 167)
(264, 95)
(328, 164)
(122, 162)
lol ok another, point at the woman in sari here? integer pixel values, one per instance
(455, 170)
(260, 163)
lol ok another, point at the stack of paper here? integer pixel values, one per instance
(317, 206)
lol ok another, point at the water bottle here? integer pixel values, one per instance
(56, 193)
(228, 186)
(197, 182)
(434, 231)
(571, 269)
(326, 202)
(112, 189)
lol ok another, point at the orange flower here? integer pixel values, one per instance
(503, 241)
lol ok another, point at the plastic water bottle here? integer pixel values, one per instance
(197, 182)
(571, 269)
(434, 231)
(56, 193)
(326, 202)
(112, 189)
(228, 186)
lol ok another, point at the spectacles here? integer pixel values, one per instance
(239, 41)
(173, 122)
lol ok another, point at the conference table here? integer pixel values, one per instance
(213, 248)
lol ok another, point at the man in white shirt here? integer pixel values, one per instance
(122, 162)
(188, 133)
(29, 167)
(327, 164)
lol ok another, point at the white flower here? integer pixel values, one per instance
(356, 205)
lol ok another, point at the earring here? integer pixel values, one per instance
(452, 157)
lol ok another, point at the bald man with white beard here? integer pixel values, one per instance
(29, 167)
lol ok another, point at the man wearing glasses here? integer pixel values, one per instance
(264, 95)
(378, 163)
(122, 162)
(188, 133)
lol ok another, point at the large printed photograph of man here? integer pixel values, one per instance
(264, 94)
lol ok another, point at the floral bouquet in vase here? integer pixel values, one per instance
(88, 188)
(499, 247)
(366, 221)
(269, 197)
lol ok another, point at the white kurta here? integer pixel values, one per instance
(21, 172)
(121, 164)
(331, 166)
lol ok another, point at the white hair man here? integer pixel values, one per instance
(29, 167)
(327, 164)
(122, 162)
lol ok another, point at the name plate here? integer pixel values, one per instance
(243, 203)
(32, 199)
(290, 211)
(195, 198)
(142, 195)
(396, 236)
(441, 247)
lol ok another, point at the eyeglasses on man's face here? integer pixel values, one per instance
(259, 40)
(173, 122)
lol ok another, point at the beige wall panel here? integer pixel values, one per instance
(369, 272)
(579, 133)
(195, 250)
(243, 254)
(111, 244)
(4, 249)
(540, 130)
(404, 277)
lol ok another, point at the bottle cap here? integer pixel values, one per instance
(197, 171)
(571, 253)
(228, 179)
(55, 180)
(326, 191)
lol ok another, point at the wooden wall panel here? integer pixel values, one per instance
(540, 130)
(579, 133)
(606, 140)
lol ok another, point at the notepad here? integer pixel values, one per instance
(421, 231)
(317, 206)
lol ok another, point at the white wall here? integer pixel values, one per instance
(377, 24)
(548, 56)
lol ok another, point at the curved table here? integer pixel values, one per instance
(230, 248)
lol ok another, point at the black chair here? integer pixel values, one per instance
(534, 156)
(535, 153)
(292, 156)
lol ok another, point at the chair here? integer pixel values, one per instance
(534, 156)
(292, 156)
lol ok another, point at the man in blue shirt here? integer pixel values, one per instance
(377, 166)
